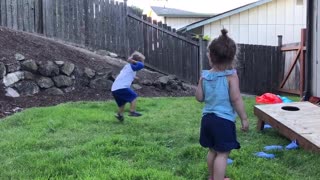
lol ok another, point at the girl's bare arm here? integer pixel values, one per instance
(199, 91)
(237, 101)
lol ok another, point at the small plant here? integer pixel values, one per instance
(205, 38)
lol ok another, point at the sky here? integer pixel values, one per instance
(200, 6)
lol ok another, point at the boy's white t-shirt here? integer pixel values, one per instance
(124, 79)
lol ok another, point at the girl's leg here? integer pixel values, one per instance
(210, 159)
(220, 165)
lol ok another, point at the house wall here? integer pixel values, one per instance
(316, 51)
(180, 22)
(262, 25)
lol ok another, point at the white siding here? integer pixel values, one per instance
(263, 24)
(180, 22)
(316, 52)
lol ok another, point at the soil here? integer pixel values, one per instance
(40, 48)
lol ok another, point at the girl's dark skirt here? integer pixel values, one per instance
(218, 133)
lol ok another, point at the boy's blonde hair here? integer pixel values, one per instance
(137, 56)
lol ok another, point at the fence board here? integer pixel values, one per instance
(19, 15)
(81, 22)
(3, 13)
(9, 14)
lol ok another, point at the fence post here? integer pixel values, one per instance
(200, 55)
(125, 30)
(41, 18)
(280, 40)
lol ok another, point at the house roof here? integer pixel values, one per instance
(171, 12)
(223, 15)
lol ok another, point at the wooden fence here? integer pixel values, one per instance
(166, 50)
(260, 68)
(109, 25)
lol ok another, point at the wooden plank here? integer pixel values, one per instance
(76, 23)
(3, 13)
(36, 16)
(59, 4)
(9, 14)
(103, 25)
(26, 26)
(66, 20)
(91, 25)
(71, 21)
(20, 15)
(32, 15)
(113, 26)
(81, 17)
(95, 34)
(165, 31)
(160, 40)
(86, 22)
(108, 25)
(292, 123)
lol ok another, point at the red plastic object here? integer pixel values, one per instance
(268, 98)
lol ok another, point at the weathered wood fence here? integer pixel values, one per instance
(259, 68)
(110, 25)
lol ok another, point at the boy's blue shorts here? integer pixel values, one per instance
(122, 96)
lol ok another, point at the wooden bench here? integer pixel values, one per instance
(297, 121)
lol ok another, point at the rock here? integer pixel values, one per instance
(27, 88)
(147, 82)
(69, 89)
(102, 52)
(101, 83)
(10, 92)
(136, 86)
(29, 65)
(172, 77)
(49, 69)
(3, 70)
(13, 67)
(113, 55)
(12, 78)
(45, 82)
(174, 85)
(59, 63)
(104, 71)
(67, 68)
(54, 91)
(62, 81)
(19, 57)
(164, 79)
(78, 72)
(29, 76)
(89, 72)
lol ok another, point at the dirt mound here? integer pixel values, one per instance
(43, 49)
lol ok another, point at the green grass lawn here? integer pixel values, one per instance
(84, 141)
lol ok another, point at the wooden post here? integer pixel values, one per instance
(302, 57)
(279, 40)
(200, 55)
(125, 29)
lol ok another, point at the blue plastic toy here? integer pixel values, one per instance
(292, 145)
(273, 147)
(264, 155)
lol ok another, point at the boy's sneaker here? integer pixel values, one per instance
(135, 114)
(119, 117)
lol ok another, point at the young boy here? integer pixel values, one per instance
(121, 90)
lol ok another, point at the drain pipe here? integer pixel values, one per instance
(308, 74)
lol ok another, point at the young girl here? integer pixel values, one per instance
(121, 90)
(218, 88)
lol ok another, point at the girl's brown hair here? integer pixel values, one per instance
(222, 50)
